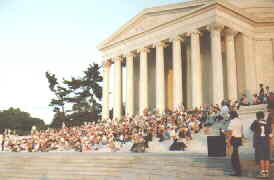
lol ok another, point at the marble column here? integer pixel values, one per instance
(231, 65)
(143, 98)
(188, 75)
(217, 63)
(248, 58)
(117, 114)
(177, 70)
(130, 84)
(196, 69)
(160, 77)
(105, 110)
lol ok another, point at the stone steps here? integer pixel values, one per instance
(112, 166)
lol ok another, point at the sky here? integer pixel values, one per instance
(59, 36)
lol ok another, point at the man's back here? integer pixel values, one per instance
(236, 126)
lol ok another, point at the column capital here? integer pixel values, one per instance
(143, 50)
(107, 63)
(194, 32)
(130, 54)
(118, 59)
(215, 27)
(248, 36)
(176, 38)
(160, 44)
(230, 32)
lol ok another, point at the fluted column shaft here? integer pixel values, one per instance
(196, 70)
(217, 64)
(105, 110)
(160, 78)
(250, 78)
(130, 85)
(143, 79)
(177, 69)
(118, 88)
(231, 65)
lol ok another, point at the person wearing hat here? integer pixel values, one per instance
(262, 132)
(235, 135)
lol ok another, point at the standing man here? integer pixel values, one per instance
(255, 136)
(235, 135)
(261, 93)
(270, 120)
(262, 133)
(3, 141)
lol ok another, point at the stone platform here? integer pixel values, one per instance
(118, 166)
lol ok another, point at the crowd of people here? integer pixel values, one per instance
(114, 135)
(130, 132)
(259, 98)
(138, 133)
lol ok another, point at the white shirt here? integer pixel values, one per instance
(225, 109)
(236, 126)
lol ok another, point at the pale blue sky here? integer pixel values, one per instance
(55, 35)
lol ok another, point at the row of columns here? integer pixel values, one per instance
(196, 74)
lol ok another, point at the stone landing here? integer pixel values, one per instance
(117, 166)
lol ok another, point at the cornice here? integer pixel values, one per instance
(180, 5)
(238, 11)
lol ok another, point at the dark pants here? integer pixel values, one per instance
(235, 160)
(3, 145)
(257, 157)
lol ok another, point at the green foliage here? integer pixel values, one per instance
(76, 100)
(58, 102)
(15, 119)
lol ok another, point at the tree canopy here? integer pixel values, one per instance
(76, 100)
(15, 119)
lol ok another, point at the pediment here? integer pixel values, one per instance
(150, 21)
(152, 18)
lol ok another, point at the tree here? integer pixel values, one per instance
(22, 122)
(61, 93)
(82, 95)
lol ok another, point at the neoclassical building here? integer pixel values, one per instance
(191, 53)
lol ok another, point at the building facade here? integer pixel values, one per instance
(190, 53)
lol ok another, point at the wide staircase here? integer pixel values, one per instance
(118, 166)
(193, 164)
